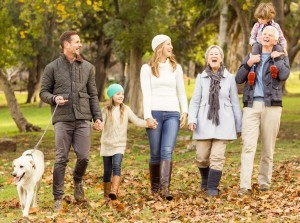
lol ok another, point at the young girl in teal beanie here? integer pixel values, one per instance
(114, 137)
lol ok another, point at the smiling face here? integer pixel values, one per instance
(214, 59)
(118, 98)
(269, 37)
(23, 167)
(72, 48)
(167, 49)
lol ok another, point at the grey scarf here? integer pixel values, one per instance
(214, 89)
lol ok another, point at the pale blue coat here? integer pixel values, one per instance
(230, 113)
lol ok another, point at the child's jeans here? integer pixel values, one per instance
(112, 165)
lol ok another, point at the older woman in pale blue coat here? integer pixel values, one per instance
(215, 118)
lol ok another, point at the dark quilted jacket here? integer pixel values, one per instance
(76, 83)
(272, 87)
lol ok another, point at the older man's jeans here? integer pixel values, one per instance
(162, 139)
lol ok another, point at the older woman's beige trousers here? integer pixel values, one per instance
(264, 121)
(210, 153)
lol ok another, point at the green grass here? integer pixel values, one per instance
(185, 178)
(293, 83)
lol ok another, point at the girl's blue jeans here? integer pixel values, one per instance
(162, 140)
(112, 165)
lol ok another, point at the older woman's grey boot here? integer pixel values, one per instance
(204, 177)
(214, 178)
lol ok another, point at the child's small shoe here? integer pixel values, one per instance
(251, 76)
(274, 71)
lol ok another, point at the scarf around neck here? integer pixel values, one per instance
(214, 90)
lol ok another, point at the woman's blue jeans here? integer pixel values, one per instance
(112, 165)
(162, 140)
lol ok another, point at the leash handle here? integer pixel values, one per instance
(38, 143)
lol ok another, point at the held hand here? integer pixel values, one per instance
(192, 127)
(275, 54)
(98, 125)
(151, 123)
(183, 119)
(253, 59)
(60, 100)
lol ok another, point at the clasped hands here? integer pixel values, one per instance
(98, 125)
(151, 123)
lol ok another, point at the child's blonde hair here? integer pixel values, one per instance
(154, 61)
(109, 108)
(265, 11)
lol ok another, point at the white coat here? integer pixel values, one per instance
(230, 113)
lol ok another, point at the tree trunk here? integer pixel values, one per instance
(223, 27)
(244, 24)
(100, 78)
(279, 6)
(135, 93)
(191, 71)
(33, 85)
(126, 83)
(14, 108)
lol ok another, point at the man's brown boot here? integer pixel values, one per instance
(78, 191)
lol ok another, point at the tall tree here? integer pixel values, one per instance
(8, 58)
(134, 25)
(91, 24)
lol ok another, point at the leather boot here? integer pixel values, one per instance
(214, 178)
(78, 191)
(204, 177)
(106, 188)
(154, 177)
(165, 178)
(115, 183)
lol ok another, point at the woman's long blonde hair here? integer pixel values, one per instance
(154, 61)
(109, 108)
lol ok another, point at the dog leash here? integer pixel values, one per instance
(38, 143)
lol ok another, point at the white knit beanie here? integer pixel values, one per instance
(158, 39)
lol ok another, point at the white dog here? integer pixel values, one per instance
(28, 172)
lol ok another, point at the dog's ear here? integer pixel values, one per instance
(33, 164)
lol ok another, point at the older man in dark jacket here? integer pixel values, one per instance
(262, 100)
(69, 81)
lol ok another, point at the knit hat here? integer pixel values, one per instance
(113, 89)
(158, 39)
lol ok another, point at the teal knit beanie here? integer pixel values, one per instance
(113, 89)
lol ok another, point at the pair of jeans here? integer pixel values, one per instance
(112, 165)
(67, 134)
(162, 140)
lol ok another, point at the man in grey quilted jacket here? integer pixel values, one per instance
(69, 81)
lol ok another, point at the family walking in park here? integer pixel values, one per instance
(214, 115)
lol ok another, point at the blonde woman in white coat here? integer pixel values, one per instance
(215, 118)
